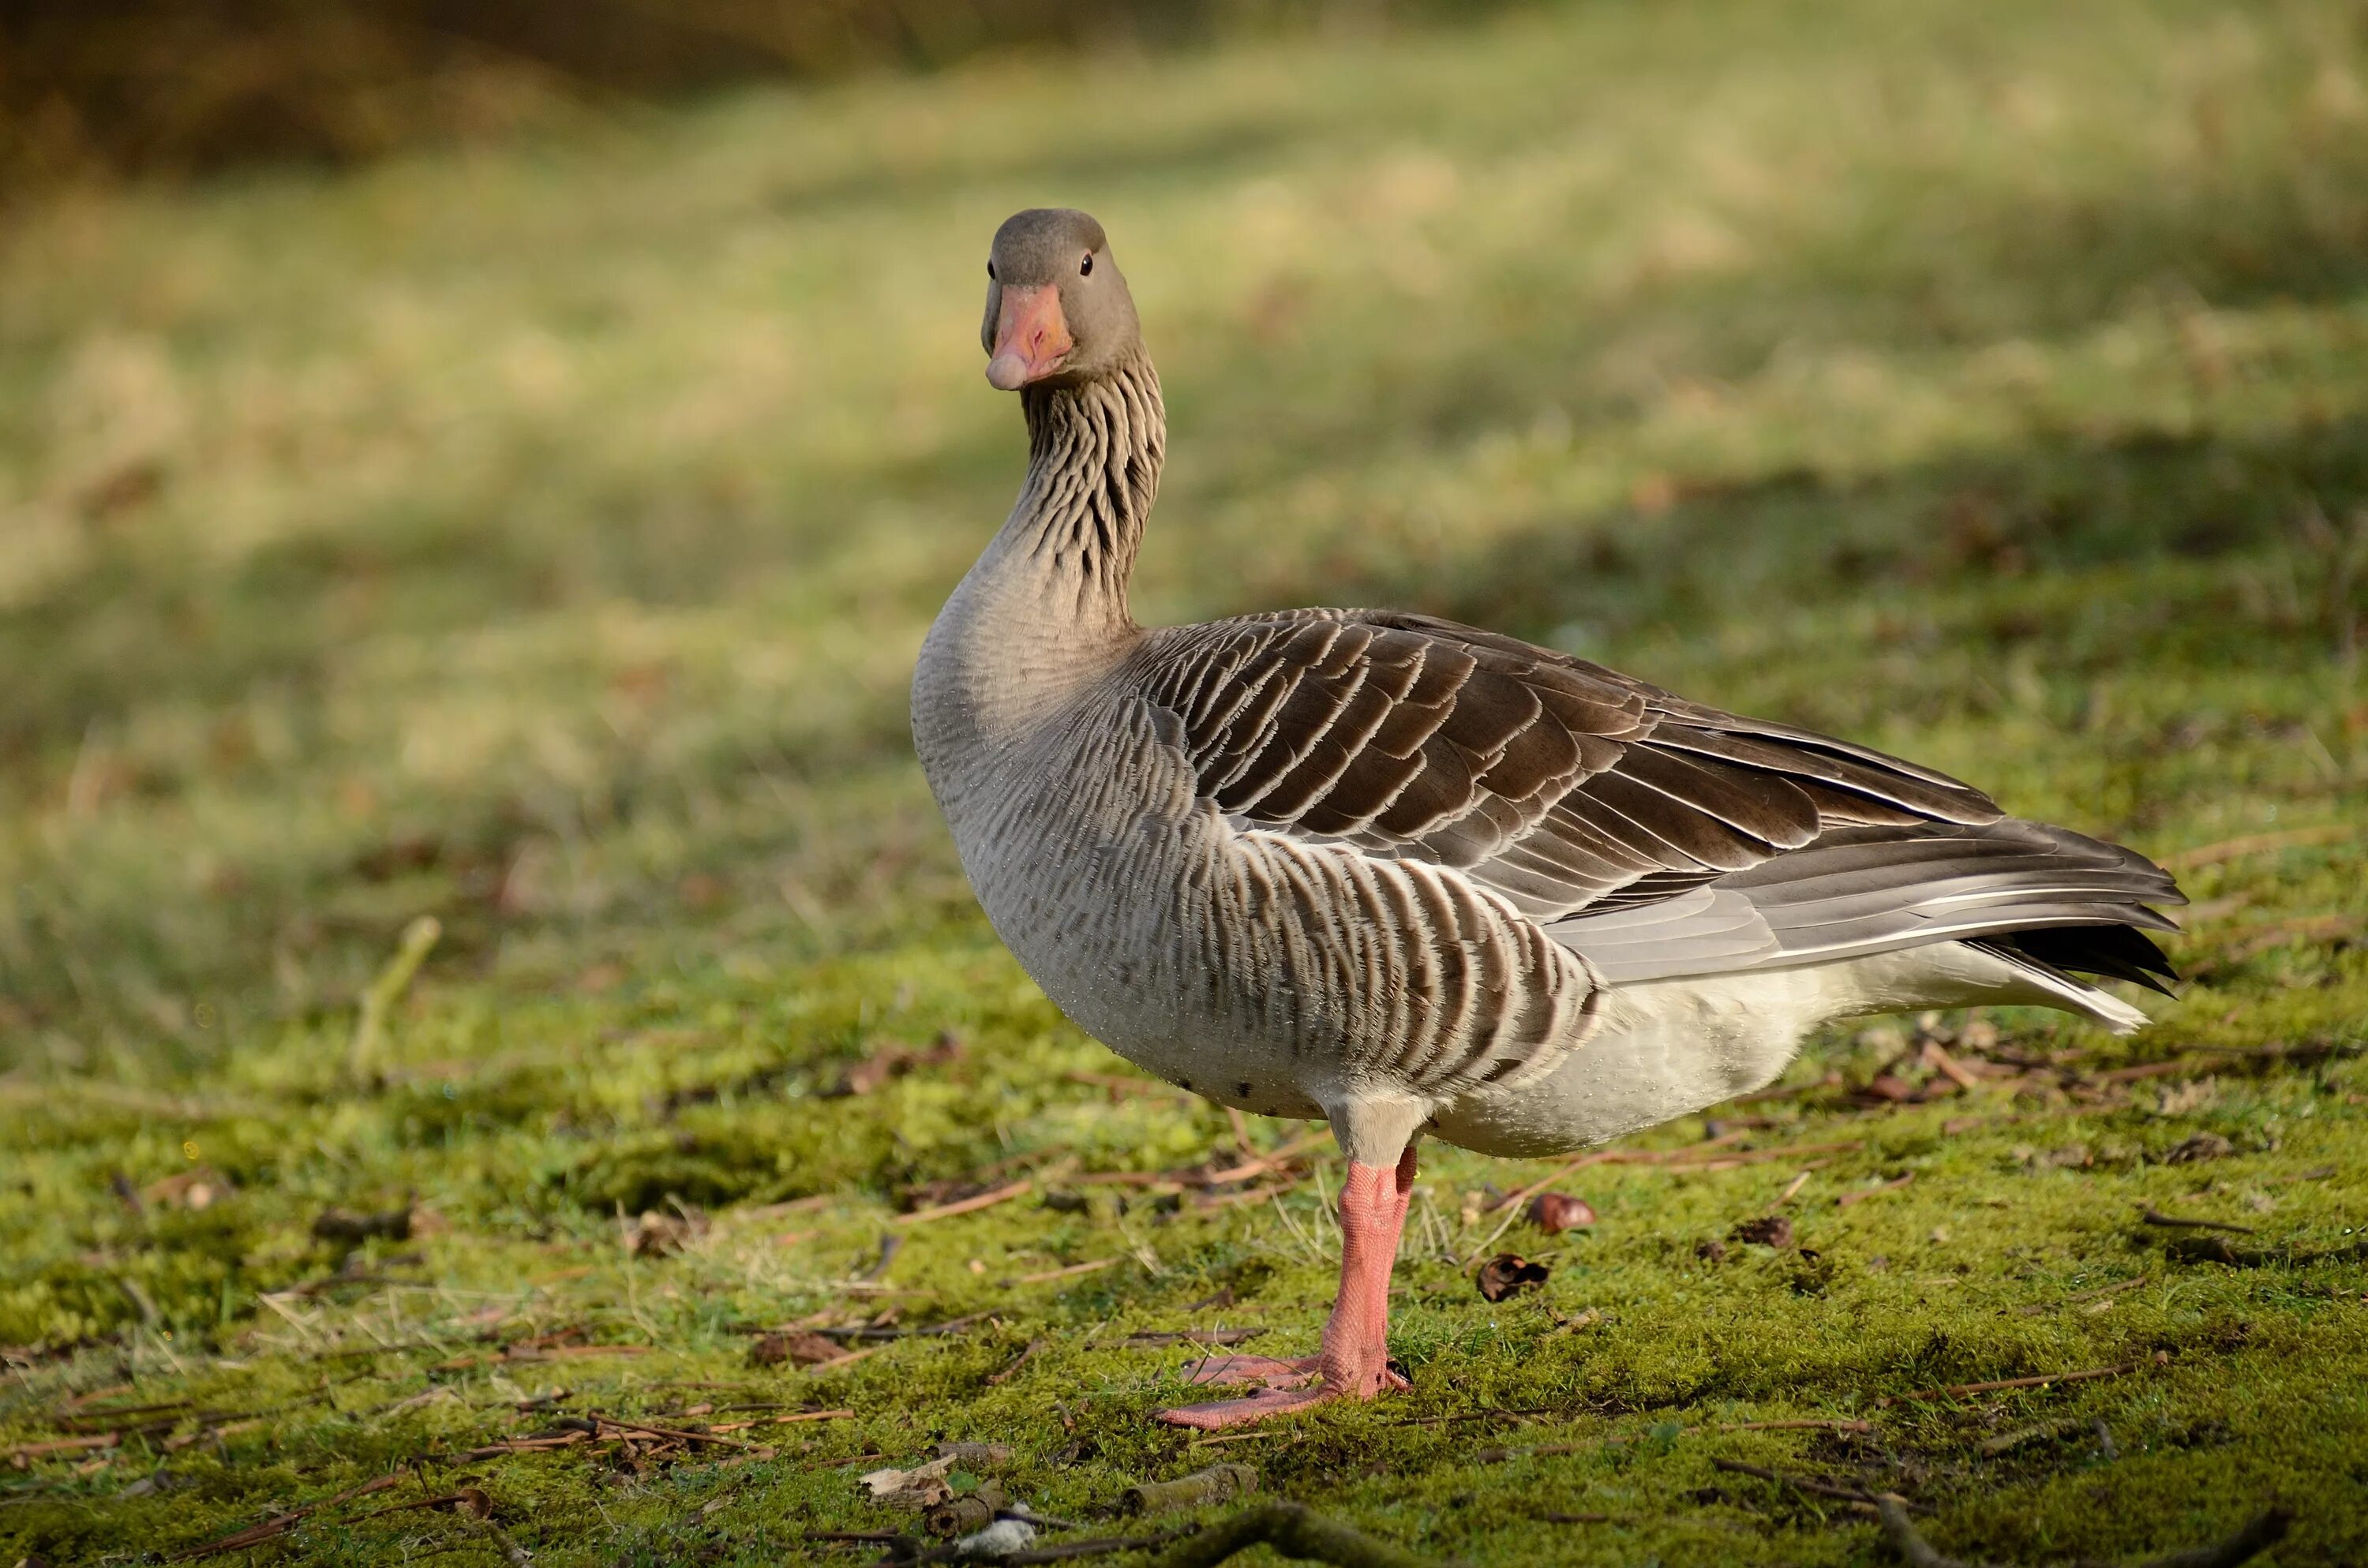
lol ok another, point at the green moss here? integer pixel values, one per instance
(539, 538)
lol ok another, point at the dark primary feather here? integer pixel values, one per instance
(1578, 793)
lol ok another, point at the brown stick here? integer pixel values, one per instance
(1859, 1496)
(968, 1205)
(2118, 1286)
(2254, 843)
(1950, 1066)
(2145, 1070)
(1594, 1157)
(2150, 1217)
(257, 1534)
(997, 1380)
(2257, 1536)
(675, 1433)
(1293, 1531)
(1864, 1193)
(1262, 1164)
(1148, 1340)
(1955, 1388)
(1831, 1424)
(1070, 1272)
(1761, 1156)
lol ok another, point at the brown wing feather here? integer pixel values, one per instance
(1558, 783)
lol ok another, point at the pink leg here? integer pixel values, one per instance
(1354, 1362)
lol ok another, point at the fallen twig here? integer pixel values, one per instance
(1863, 1193)
(1954, 1390)
(2114, 1288)
(257, 1535)
(1089, 1548)
(1758, 1156)
(969, 1205)
(1293, 1531)
(2255, 844)
(677, 1434)
(891, 1243)
(2006, 1442)
(2258, 1536)
(1095, 1267)
(893, 1331)
(478, 1509)
(1821, 1423)
(1856, 1496)
(2151, 1217)
(1148, 1340)
(997, 1380)
(1217, 1483)
(386, 990)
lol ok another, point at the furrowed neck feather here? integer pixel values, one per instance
(1095, 449)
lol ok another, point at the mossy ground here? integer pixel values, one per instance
(539, 538)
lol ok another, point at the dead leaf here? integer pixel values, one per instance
(920, 1488)
(892, 1060)
(1554, 1212)
(800, 1349)
(342, 1226)
(1768, 1230)
(2200, 1146)
(1509, 1274)
(656, 1233)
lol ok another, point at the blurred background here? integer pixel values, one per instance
(497, 462)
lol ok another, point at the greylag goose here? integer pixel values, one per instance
(1412, 878)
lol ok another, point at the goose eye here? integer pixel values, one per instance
(990, 272)
(1086, 268)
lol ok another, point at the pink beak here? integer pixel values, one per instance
(1031, 338)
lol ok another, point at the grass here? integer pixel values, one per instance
(539, 539)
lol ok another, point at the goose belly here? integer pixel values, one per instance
(1670, 1048)
(1664, 1049)
(1274, 974)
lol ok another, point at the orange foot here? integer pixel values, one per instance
(1355, 1363)
(1289, 1390)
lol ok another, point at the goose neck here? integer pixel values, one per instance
(1095, 450)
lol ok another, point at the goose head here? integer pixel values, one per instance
(1057, 309)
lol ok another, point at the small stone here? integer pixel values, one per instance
(1005, 1537)
(2200, 1146)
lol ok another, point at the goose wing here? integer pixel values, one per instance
(1655, 836)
